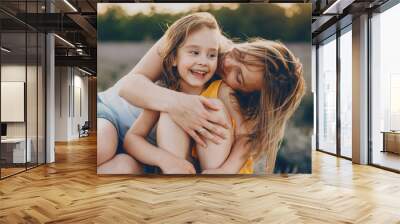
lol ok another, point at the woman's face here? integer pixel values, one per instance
(241, 77)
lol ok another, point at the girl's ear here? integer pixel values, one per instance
(174, 62)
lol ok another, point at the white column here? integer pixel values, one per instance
(50, 94)
(360, 90)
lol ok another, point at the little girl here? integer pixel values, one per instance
(190, 59)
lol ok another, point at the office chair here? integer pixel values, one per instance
(84, 130)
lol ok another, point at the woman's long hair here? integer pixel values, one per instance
(266, 112)
(175, 37)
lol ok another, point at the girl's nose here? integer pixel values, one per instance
(203, 60)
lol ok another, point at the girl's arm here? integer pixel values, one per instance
(188, 111)
(136, 145)
(239, 152)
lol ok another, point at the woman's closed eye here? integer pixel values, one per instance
(239, 77)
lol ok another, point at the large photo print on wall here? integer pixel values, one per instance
(192, 88)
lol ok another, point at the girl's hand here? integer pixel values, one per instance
(175, 165)
(191, 113)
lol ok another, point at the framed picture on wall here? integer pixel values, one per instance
(12, 101)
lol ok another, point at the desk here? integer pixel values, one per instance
(13, 150)
(391, 141)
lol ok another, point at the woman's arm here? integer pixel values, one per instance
(238, 155)
(136, 145)
(140, 81)
(189, 111)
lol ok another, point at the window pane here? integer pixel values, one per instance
(385, 89)
(327, 97)
(346, 94)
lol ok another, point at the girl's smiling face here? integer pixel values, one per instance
(197, 58)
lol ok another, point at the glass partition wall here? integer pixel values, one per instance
(13, 89)
(22, 88)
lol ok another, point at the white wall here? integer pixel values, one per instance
(81, 82)
(61, 103)
(70, 83)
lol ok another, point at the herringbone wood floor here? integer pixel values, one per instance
(69, 191)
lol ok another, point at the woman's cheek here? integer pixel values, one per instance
(229, 82)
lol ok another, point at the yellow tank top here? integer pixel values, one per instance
(212, 92)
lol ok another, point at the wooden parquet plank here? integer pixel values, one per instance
(70, 191)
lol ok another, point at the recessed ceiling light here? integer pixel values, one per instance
(70, 5)
(64, 40)
(337, 7)
(5, 49)
(84, 71)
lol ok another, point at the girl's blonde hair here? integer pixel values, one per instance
(267, 111)
(175, 36)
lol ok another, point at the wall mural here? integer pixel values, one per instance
(193, 88)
